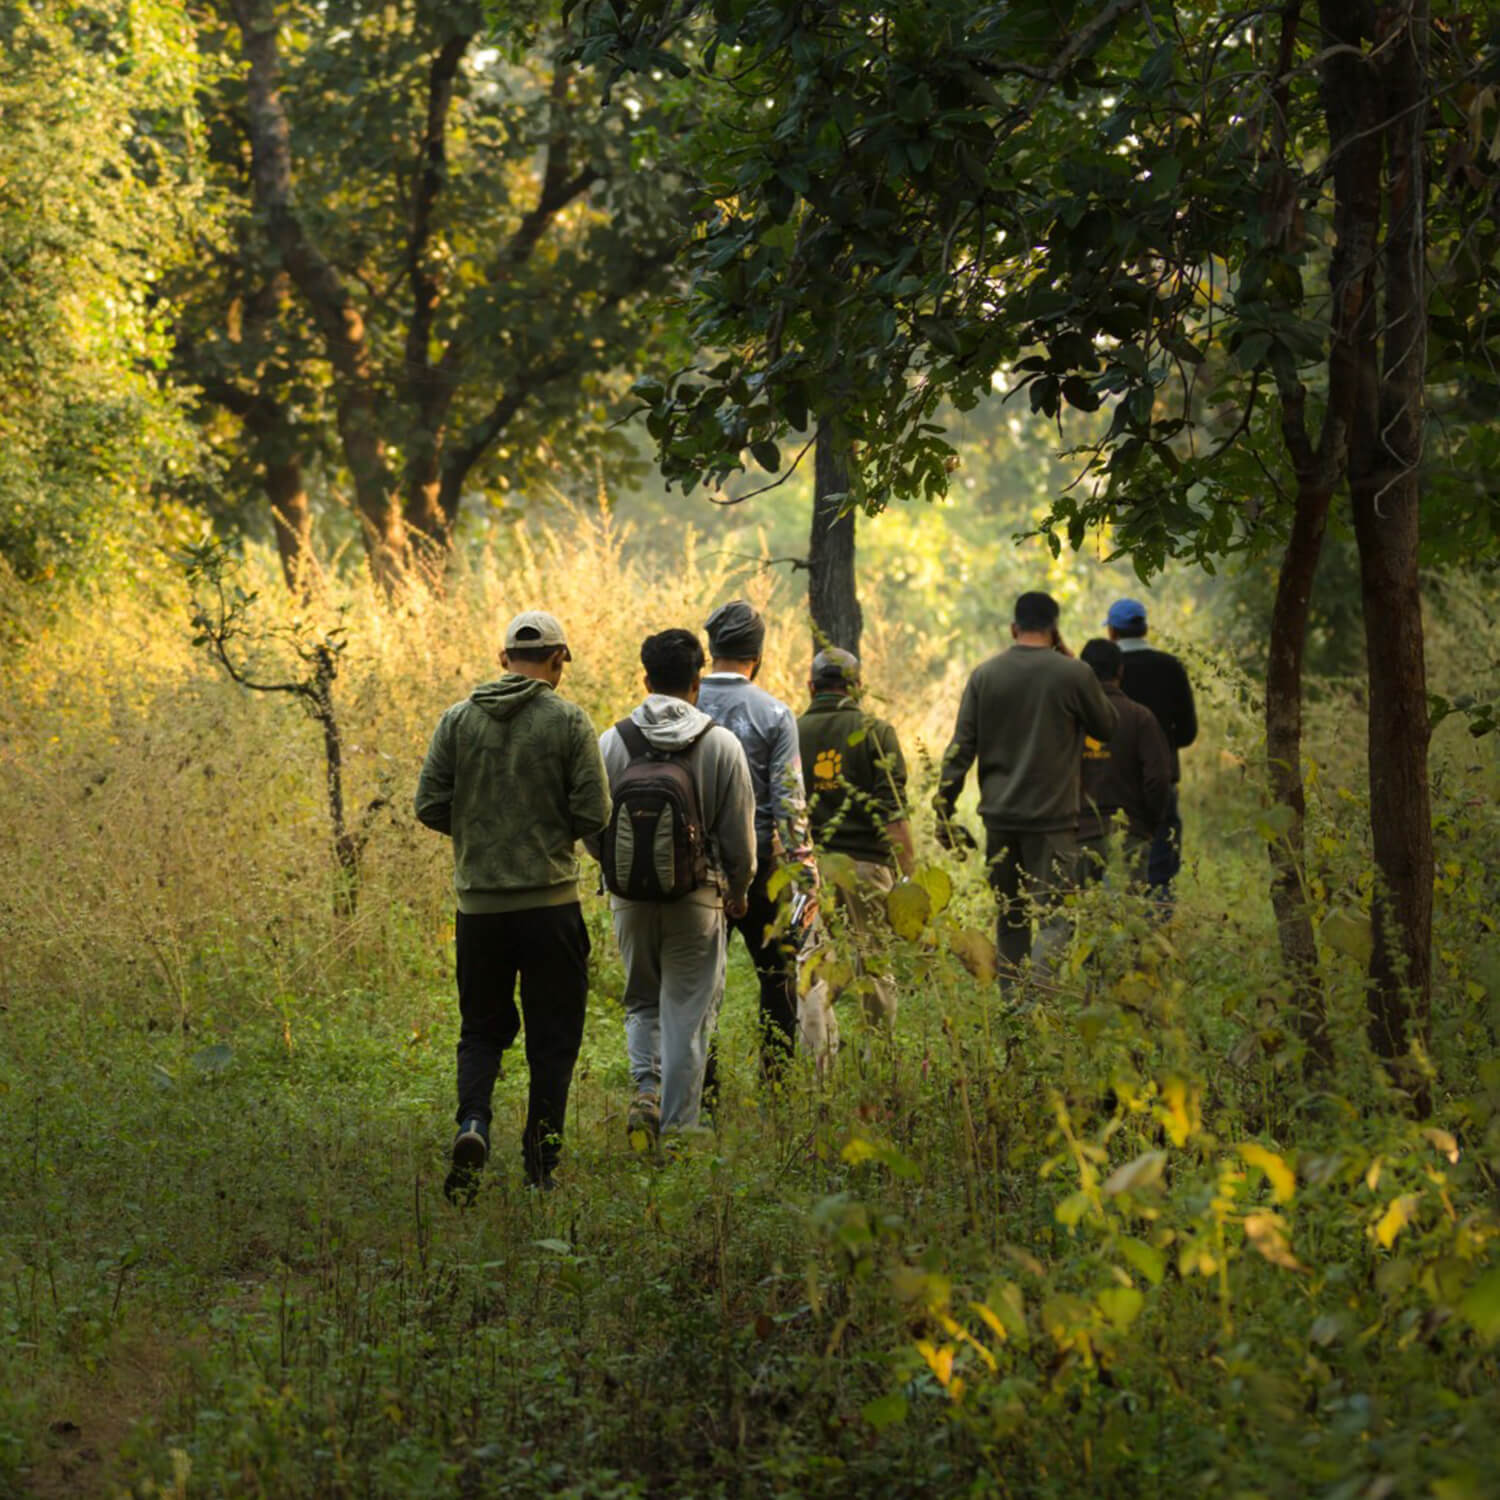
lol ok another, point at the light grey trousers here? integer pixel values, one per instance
(674, 983)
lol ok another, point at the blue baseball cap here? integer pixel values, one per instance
(1124, 613)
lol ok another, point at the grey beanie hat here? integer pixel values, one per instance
(736, 631)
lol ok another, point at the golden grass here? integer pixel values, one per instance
(164, 838)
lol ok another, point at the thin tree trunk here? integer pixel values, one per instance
(291, 518)
(1299, 948)
(832, 595)
(1386, 489)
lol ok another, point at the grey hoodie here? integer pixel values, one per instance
(725, 792)
(513, 774)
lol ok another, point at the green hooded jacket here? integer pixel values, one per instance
(513, 775)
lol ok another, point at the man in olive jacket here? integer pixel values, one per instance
(1024, 716)
(856, 802)
(513, 775)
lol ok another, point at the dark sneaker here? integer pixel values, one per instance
(546, 1183)
(471, 1146)
(643, 1122)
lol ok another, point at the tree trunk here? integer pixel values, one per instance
(1299, 948)
(292, 519)
(831, 594)
(338, 320)
(1386, 490)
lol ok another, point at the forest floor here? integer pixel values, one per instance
(1107, 1244)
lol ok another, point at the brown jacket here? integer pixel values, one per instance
(1131, 773)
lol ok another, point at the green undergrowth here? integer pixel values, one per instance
(1106, 1242)
(1113, 1241)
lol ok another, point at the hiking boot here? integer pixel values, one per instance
(471, 1147)
(643, 1122)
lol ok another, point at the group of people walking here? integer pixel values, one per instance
(697, 809)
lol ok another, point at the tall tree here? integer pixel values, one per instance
(832, 591)
(440, 255)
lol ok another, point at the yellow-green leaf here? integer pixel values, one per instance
(1281, 1177)
(1396, 1217)
(974, 951)
(1349, 932)
(836, 869)
(987, 1315)
(908, 907)
(1071, 1209)
(938, 884)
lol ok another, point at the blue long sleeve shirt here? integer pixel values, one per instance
(767, 729)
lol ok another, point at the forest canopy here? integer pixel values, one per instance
(337, 335)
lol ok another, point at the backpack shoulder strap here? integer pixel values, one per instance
(636, 744)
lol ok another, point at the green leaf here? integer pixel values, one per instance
(884, 1411)
(1144, 1258)
(767, 455)
(1481, 1306)
(1350, 933)
(1121, 1305)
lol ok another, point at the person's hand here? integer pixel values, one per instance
(954, 837)
(735, 909)
(1058, 643)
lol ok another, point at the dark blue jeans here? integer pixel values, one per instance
(547, 949)
(1165, 859)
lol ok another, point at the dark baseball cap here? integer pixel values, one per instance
(835, 667)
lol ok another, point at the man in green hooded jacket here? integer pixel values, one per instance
(513, 776)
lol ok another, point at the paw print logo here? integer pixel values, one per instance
(828, 767)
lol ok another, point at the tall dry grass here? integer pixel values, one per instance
(164, 844)
(164, 838)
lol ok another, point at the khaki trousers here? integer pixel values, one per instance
(863, 909)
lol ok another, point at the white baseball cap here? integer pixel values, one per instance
(535, 627)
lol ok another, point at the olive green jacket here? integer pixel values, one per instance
(513, 775)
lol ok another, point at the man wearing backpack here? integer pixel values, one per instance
(513, 776)
(678, 855)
